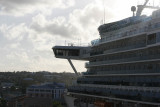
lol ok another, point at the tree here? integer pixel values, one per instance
(3, 103)
(13, 88)
(56, 104)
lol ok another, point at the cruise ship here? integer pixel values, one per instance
(123, 68)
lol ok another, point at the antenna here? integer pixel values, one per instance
(104, 10)
(101, 22)
(137, 2)
(65, 42)
(141, 7)
(78, 41)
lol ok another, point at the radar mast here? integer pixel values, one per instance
(141, 7)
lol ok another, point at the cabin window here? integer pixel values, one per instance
(158, 36)
(151, 39)
(67, 52)
(150, 67)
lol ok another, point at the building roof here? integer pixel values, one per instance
(49, 86)
(7, 84)
(28, 79)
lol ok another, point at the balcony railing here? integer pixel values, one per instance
(110, 51)
(123, 35)
(130, 33)
(135, 81)
(127, 72)
(151, 94)
(125, 48)
(125, 60)
(151, 89)
(104, 72)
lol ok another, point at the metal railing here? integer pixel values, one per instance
(124, 60)
(130, 33)
(125, 48)
(151, 89)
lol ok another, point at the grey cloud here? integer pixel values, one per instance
(79, 20)
(21, 7)
(93, 14)
(52, 29)
(90, 14)
(58, 30)
(14, 31)
(36, 38)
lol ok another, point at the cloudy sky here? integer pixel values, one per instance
(30, 28)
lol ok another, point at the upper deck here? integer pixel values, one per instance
(127, 28)
(105, 28)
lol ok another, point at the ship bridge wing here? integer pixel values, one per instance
(72, 52)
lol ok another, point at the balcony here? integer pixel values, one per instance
(149, 94)
(121, 49)
(116, 72)
(125, 48)
(124, 60)
(148, 81)
(96, 53)
(123, 36)
(126, 72)
(133, 88)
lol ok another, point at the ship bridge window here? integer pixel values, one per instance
(66, 52)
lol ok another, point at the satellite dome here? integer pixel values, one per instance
(133, 8)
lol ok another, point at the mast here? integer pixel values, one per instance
(104, 10)
(141, 7)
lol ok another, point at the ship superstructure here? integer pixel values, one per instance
(124, 64)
